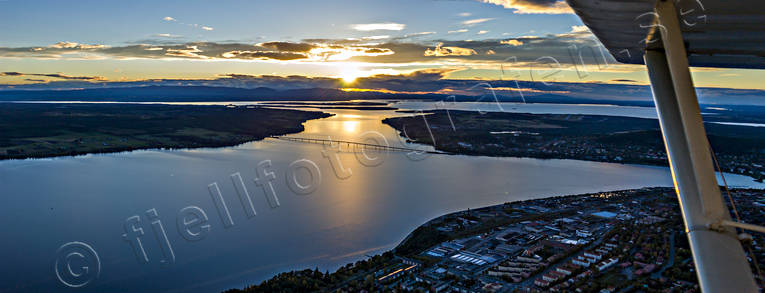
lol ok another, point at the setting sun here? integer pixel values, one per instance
(348, 78)
(349, 74)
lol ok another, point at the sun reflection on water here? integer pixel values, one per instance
(351, 127)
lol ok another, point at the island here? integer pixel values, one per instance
(738, 149)
(618, 241)
(38, 130)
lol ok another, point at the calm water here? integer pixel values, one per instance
(50, 202)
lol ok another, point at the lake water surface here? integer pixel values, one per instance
(50, 202)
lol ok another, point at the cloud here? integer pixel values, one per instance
(67, 45)
(458, 31)
(52, 75)
(194, 25)
(330, 52)
(624, 81)
(533, 6)
(381, 37)
(315, 51)
(376, 51)
(428, 81)
(441, 51)
(419, 34)
(476, 21)
(579, 28)
(464, 14)
(265, 55)
(288, 46)
(189, 52)
(417, 82)
(61, 76)
(72, 45)
(171, 36)
(390, 26)
(481, 32)
(512, 42)
(400, 51)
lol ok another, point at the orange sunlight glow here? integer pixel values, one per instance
(349, 72)
(349, 76)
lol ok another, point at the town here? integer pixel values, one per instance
(621, 241)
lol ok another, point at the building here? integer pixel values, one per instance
(593, 255)
(541, 283)
(607, 263)
(492, 287)
(583, 233)
(564, 270)
(581, 261)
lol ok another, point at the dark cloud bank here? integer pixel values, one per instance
(425, 84)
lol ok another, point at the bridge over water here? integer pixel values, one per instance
(352, 144)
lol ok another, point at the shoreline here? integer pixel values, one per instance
(478, 226)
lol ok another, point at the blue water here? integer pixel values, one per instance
(50, 202)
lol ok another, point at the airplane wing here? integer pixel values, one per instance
(728, 34)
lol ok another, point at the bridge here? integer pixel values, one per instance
(351, 144)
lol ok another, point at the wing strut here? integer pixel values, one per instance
(721, 264)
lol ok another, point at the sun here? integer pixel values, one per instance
(348, 78)
(350, 74)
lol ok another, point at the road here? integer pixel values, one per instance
(670, 261)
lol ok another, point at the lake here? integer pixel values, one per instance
(365, 209)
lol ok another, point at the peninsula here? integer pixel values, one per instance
(50, 129)
(571, 136)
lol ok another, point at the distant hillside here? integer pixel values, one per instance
(195, 93)
(213, 94)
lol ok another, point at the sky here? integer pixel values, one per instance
(51, 43)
